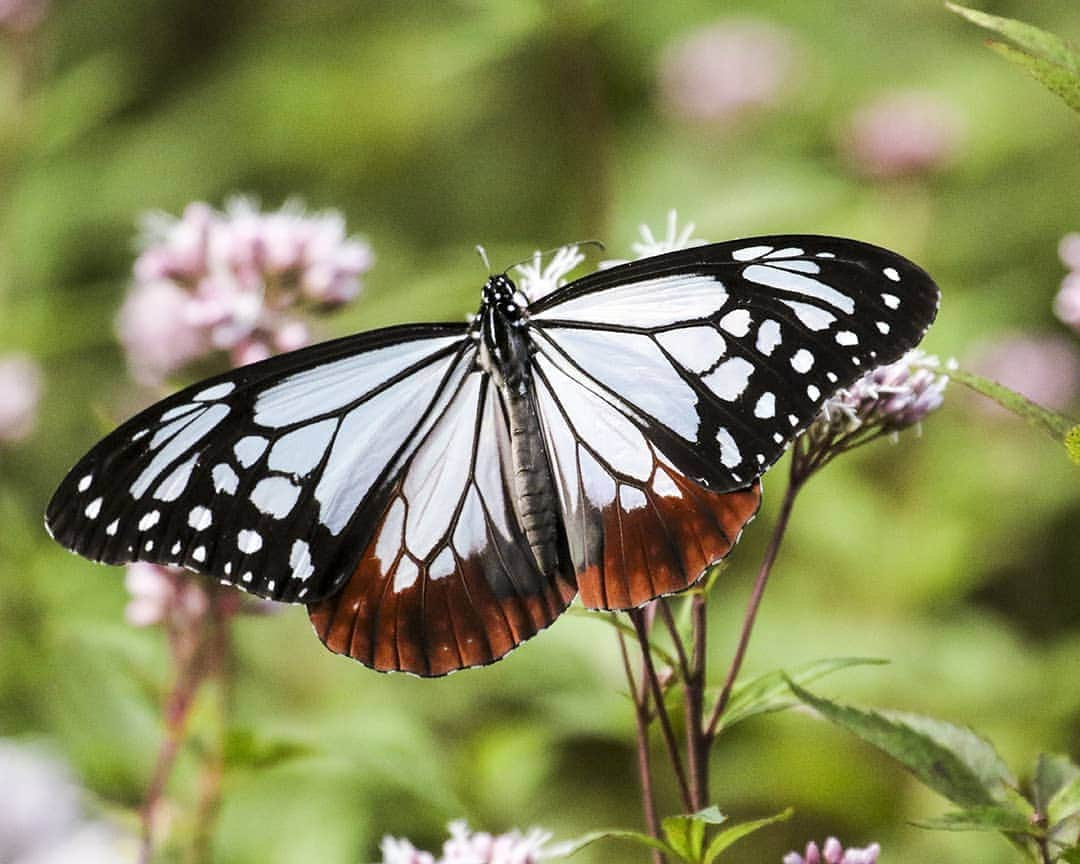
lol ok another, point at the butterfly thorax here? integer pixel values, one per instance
(505, 355)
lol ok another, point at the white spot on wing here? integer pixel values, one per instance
(890, 300)
(149, 520)
(275, 496)
(300, 560)
(443, 565)
(663, 485)
(648, 303)
(786, 252)
(631, 498)
(302, 449)
(198, 554)
(697, 349)
(249, 542)
(249, 448)
(215, 392)
(883, 327)
(749, 253)
(172, 487)
(768, 337)
(407, 573)
(389, 542)
(330, 386)
(802, 361)
(200, 518)
(766, 406)
(112, 527)
(729, 450)
(786, 280)
(184, 440)
(811, 317)
(891, 274)
(736, 322)
(797, 266)
(172, 414)
(846, 338)
(84, 484)
(813, 392)
(729, 379)
(225, 479)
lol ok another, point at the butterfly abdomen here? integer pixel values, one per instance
(534, 492)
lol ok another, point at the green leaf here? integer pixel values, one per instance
(686, 834)
(572, 847)
(1065, 803)
(1053, 772)
(622, 626)
(1070, 856)
(770, 692)
(950, 759)
(736, 832)
(1060, 427)
(992, 818)
(244, 748)
(1061, 82)
(1039, 42)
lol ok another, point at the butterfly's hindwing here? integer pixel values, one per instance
(268, 477)
(722, 354)
(447, 580)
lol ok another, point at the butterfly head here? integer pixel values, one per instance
(501, 295)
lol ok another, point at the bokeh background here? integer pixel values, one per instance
(521, 125)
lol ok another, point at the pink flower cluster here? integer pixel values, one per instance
(1067, 302)
(722, 71)
(20, 390)
(232, 281)
(834, 853)
(467, 847)
(891, 397)
(22, 16)
(159, 593)
(902, 134)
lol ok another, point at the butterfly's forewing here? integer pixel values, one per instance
(722, 354)
(271, 476)
(666, 386)
(447, 581)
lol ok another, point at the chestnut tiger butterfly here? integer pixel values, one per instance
(438, 493)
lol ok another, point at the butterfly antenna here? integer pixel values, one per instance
(482, 252)
(599, 245)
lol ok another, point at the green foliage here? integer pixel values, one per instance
(770, 692)
(684, 837)
(966, 769)
(1052, 61)
(1060, 427)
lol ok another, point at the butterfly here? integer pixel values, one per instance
(438, 493)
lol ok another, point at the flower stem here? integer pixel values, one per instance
(649, 671)
(780, 528)
(641, 717)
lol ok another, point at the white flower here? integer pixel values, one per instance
(536, 280)
(673, 239)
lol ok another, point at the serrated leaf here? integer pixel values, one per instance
(770, 692)
(686, 833)
(244, 748)
(1058, 425)
(1053, 772)
(572, 847)
(736, 832)
(949, 759)
(991, 818)
(1058, 80)
(1039, 42)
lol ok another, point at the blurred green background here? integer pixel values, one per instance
(521, 125)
